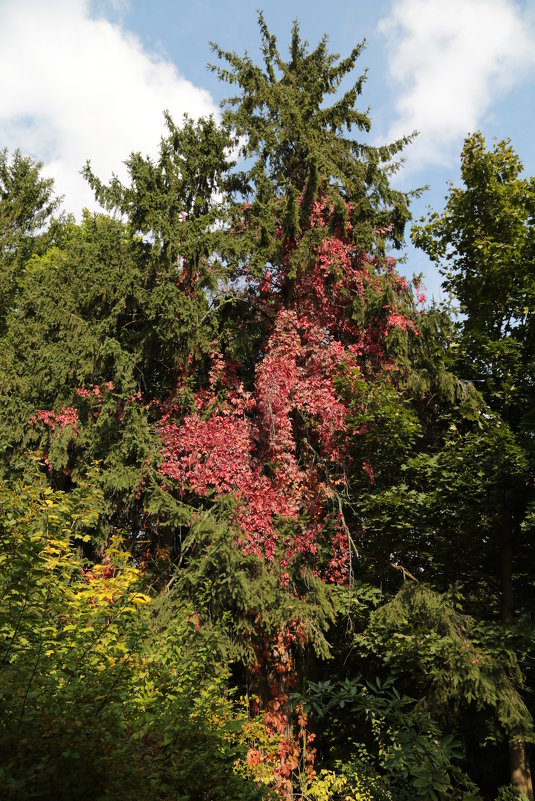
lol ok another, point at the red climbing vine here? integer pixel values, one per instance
(282, 450)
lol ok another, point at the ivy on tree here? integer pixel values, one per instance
(265, 417)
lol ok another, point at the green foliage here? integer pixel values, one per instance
(296, 144)
(175, 200)
(104, 690)
(484, 242)
(422, 516)
(384, 425)
(354, 781)
(131, 618)
(454, 664)
(27, 204)
(509, 793)
(402, 748)
(222, 583)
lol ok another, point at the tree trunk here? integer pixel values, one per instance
(520, 770)
(518, 758)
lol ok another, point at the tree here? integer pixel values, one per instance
(484, 242)
(106, 691)
(27, 204)
(109, 323)
(278, 279)
(233, 370)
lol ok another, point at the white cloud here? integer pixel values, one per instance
(74, 87)
(450, 60)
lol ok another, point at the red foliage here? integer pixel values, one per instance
(66, 417)
(227, 452)
(281, 451)
(275, 674)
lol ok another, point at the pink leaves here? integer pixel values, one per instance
(67, 417)
(216, 457)
(95, 390)
(226, 452)
(399, 321)
(369, 471)
(282, 449)
(207, 454)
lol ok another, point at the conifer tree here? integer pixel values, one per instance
(318, 296)
(27, 203)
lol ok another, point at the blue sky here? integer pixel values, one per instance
(90, 79)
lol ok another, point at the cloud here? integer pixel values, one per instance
(74, 86)
(450, 61)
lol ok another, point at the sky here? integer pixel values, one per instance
(90, 79)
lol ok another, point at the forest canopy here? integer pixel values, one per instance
(267, 514)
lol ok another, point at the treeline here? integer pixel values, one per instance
(266, 514)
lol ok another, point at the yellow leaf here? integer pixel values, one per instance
(141, 599)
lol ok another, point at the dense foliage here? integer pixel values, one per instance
(266, 518)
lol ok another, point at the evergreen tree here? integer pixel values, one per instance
(27, 204)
